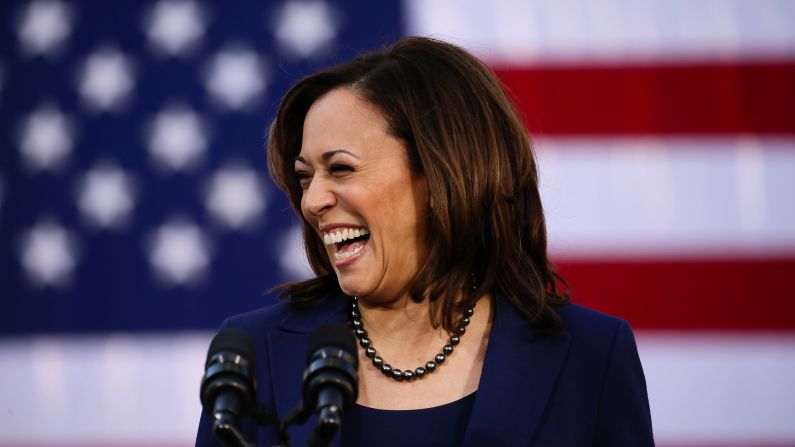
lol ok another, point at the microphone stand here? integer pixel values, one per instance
(328, 422)
(266, 416)
(226, 432)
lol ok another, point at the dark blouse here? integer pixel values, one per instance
(444, 425)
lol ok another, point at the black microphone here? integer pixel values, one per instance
(228, 388)
(330, 379)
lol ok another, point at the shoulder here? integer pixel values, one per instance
(282, 315)
(580, 320)
(603, 347)
(259, 320)
(596, 334)
(591, 337)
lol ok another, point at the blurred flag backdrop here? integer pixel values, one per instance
(136, 212)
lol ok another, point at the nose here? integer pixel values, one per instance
(318, 197)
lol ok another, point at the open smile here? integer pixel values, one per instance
(348, 243)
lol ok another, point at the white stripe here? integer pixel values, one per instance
(668, 197)
(101, 389)
(520, 31)
(717, 388)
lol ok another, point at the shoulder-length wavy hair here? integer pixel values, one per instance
(462, 132)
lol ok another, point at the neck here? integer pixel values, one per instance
(403, 337)
(401, 331)
(401, 321)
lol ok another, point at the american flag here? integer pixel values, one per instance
(136, 212)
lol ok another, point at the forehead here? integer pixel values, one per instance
(341, 119)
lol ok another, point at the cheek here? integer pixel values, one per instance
(404, 219)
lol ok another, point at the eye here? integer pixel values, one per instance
(340, 168)
(304, 178)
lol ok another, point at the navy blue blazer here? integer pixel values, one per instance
(583, 387)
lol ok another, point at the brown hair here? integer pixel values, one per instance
(463, 133)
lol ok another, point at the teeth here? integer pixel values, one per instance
(338, 256)
(343, 235)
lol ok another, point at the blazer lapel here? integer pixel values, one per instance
(287, 351)
(519, 373)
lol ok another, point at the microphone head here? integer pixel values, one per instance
(228, 388)
(229, 368)
(232, 340)
(333, 335)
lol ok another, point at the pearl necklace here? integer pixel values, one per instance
(407, 375)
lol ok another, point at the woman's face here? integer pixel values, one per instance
(361, 197)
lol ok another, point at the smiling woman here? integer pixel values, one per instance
(423, 224)
(355, 176)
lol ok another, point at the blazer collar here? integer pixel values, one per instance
(519, 372)
(333, 309)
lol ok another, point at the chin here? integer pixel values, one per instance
(350, 286)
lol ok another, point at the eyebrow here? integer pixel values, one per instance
(327, 155)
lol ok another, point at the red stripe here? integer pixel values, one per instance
(708, 294)
(688, 99)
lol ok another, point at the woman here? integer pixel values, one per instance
(423, 222)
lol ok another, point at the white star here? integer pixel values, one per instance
(292, 258)
(235, 77)
(306, 27)
(175, 26)
(105, 196)
(235, 196)
(106, 79)
(46, 138)
(179, 252)
(177, 138)
(44, 26)
(48, 254)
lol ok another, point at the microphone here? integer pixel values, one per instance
(330, 379)
(228, 388)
